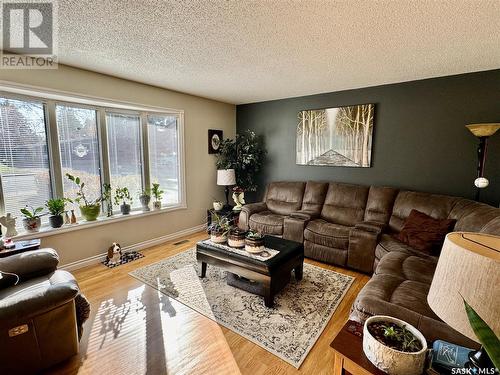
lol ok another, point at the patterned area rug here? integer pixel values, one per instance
(288, 330)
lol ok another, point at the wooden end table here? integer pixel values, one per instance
(349, 355)
(21, 247)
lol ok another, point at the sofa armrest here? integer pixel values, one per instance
(363, 240)
(293, 228)
(30, 264)
(247, 211)
(38, 295)
(305, 214)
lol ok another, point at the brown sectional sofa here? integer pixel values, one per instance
(354, 226)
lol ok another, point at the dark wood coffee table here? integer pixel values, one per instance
(265, 278)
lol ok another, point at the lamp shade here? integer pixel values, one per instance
(483, 130)
(468, 267)
(226, 177)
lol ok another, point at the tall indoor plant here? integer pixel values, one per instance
(245, 154)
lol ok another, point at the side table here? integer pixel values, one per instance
(349, 355)
(20, 247)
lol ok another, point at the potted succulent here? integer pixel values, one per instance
(219, 228)
(123, 195)
(394, 346)
(254, 242)
(32, 221)
(236, 237)
(56, 209)
(145, 198)
(90, 209)
(157, 194)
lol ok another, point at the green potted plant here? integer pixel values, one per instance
(56, 209)
(106, 197)
(394, 346)
(123, 195)
(90, 209)
(254, 242)
(157, 194)
(219, 228)
(145, 198)
(32, 221)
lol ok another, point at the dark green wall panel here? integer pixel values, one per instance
(420, 139)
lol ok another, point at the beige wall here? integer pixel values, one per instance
(199, 115)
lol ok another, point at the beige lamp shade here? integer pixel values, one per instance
(468, 267)
(483, 130)
(226, 177)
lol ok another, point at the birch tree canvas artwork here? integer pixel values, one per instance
(336, 136)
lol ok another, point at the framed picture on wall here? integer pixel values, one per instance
(337, 137)
(214, 140)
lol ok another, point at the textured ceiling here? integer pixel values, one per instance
(246, 51)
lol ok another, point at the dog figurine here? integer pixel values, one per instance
(114, 253)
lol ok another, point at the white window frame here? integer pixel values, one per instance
(51, 98)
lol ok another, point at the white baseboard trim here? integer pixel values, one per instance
(138, 246)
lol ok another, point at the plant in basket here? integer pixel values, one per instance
(236, 237)
(219, 228)
(254, 242)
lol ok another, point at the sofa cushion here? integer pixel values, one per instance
(436, 206)
(379, 204)
(283, 198)
(314, 196)
(345, 204)
(425, 233)
(408, 267)
(267, 222)
(389, 244)
(327, 234)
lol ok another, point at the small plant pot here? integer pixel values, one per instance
(125, 209)
(218, 206)
(254, 245)
(236, 238)
(157, 205)
(32, 225)
(145, 199)
(389, 360)
(56, 221)
(218, 237)
(90, 213)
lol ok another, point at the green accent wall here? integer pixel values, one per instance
(420, 140)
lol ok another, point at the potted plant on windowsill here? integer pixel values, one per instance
(90, 209)
(157, 194)
(32, 221)
(394, 346)
(56, 209)
(219, 228)
(123, 195)
(145, 198)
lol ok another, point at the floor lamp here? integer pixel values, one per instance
(483, 132)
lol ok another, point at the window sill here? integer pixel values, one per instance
(47, 231)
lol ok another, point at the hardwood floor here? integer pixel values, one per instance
(134, 329)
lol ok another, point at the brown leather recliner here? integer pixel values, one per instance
(39, 322)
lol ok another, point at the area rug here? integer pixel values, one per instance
(289, 330)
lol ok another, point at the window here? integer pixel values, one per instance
(79, 148)
(164, 155)
(41, 140)
(124, 148)
(24, 158)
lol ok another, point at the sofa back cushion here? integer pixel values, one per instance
(314, 196)
(284, 197)
(345, 204)
(380, 203)
(436, 206)
(473, 216)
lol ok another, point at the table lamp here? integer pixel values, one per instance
(468, 269)
(226, 178)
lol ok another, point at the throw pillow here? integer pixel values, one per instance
(424, 233)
